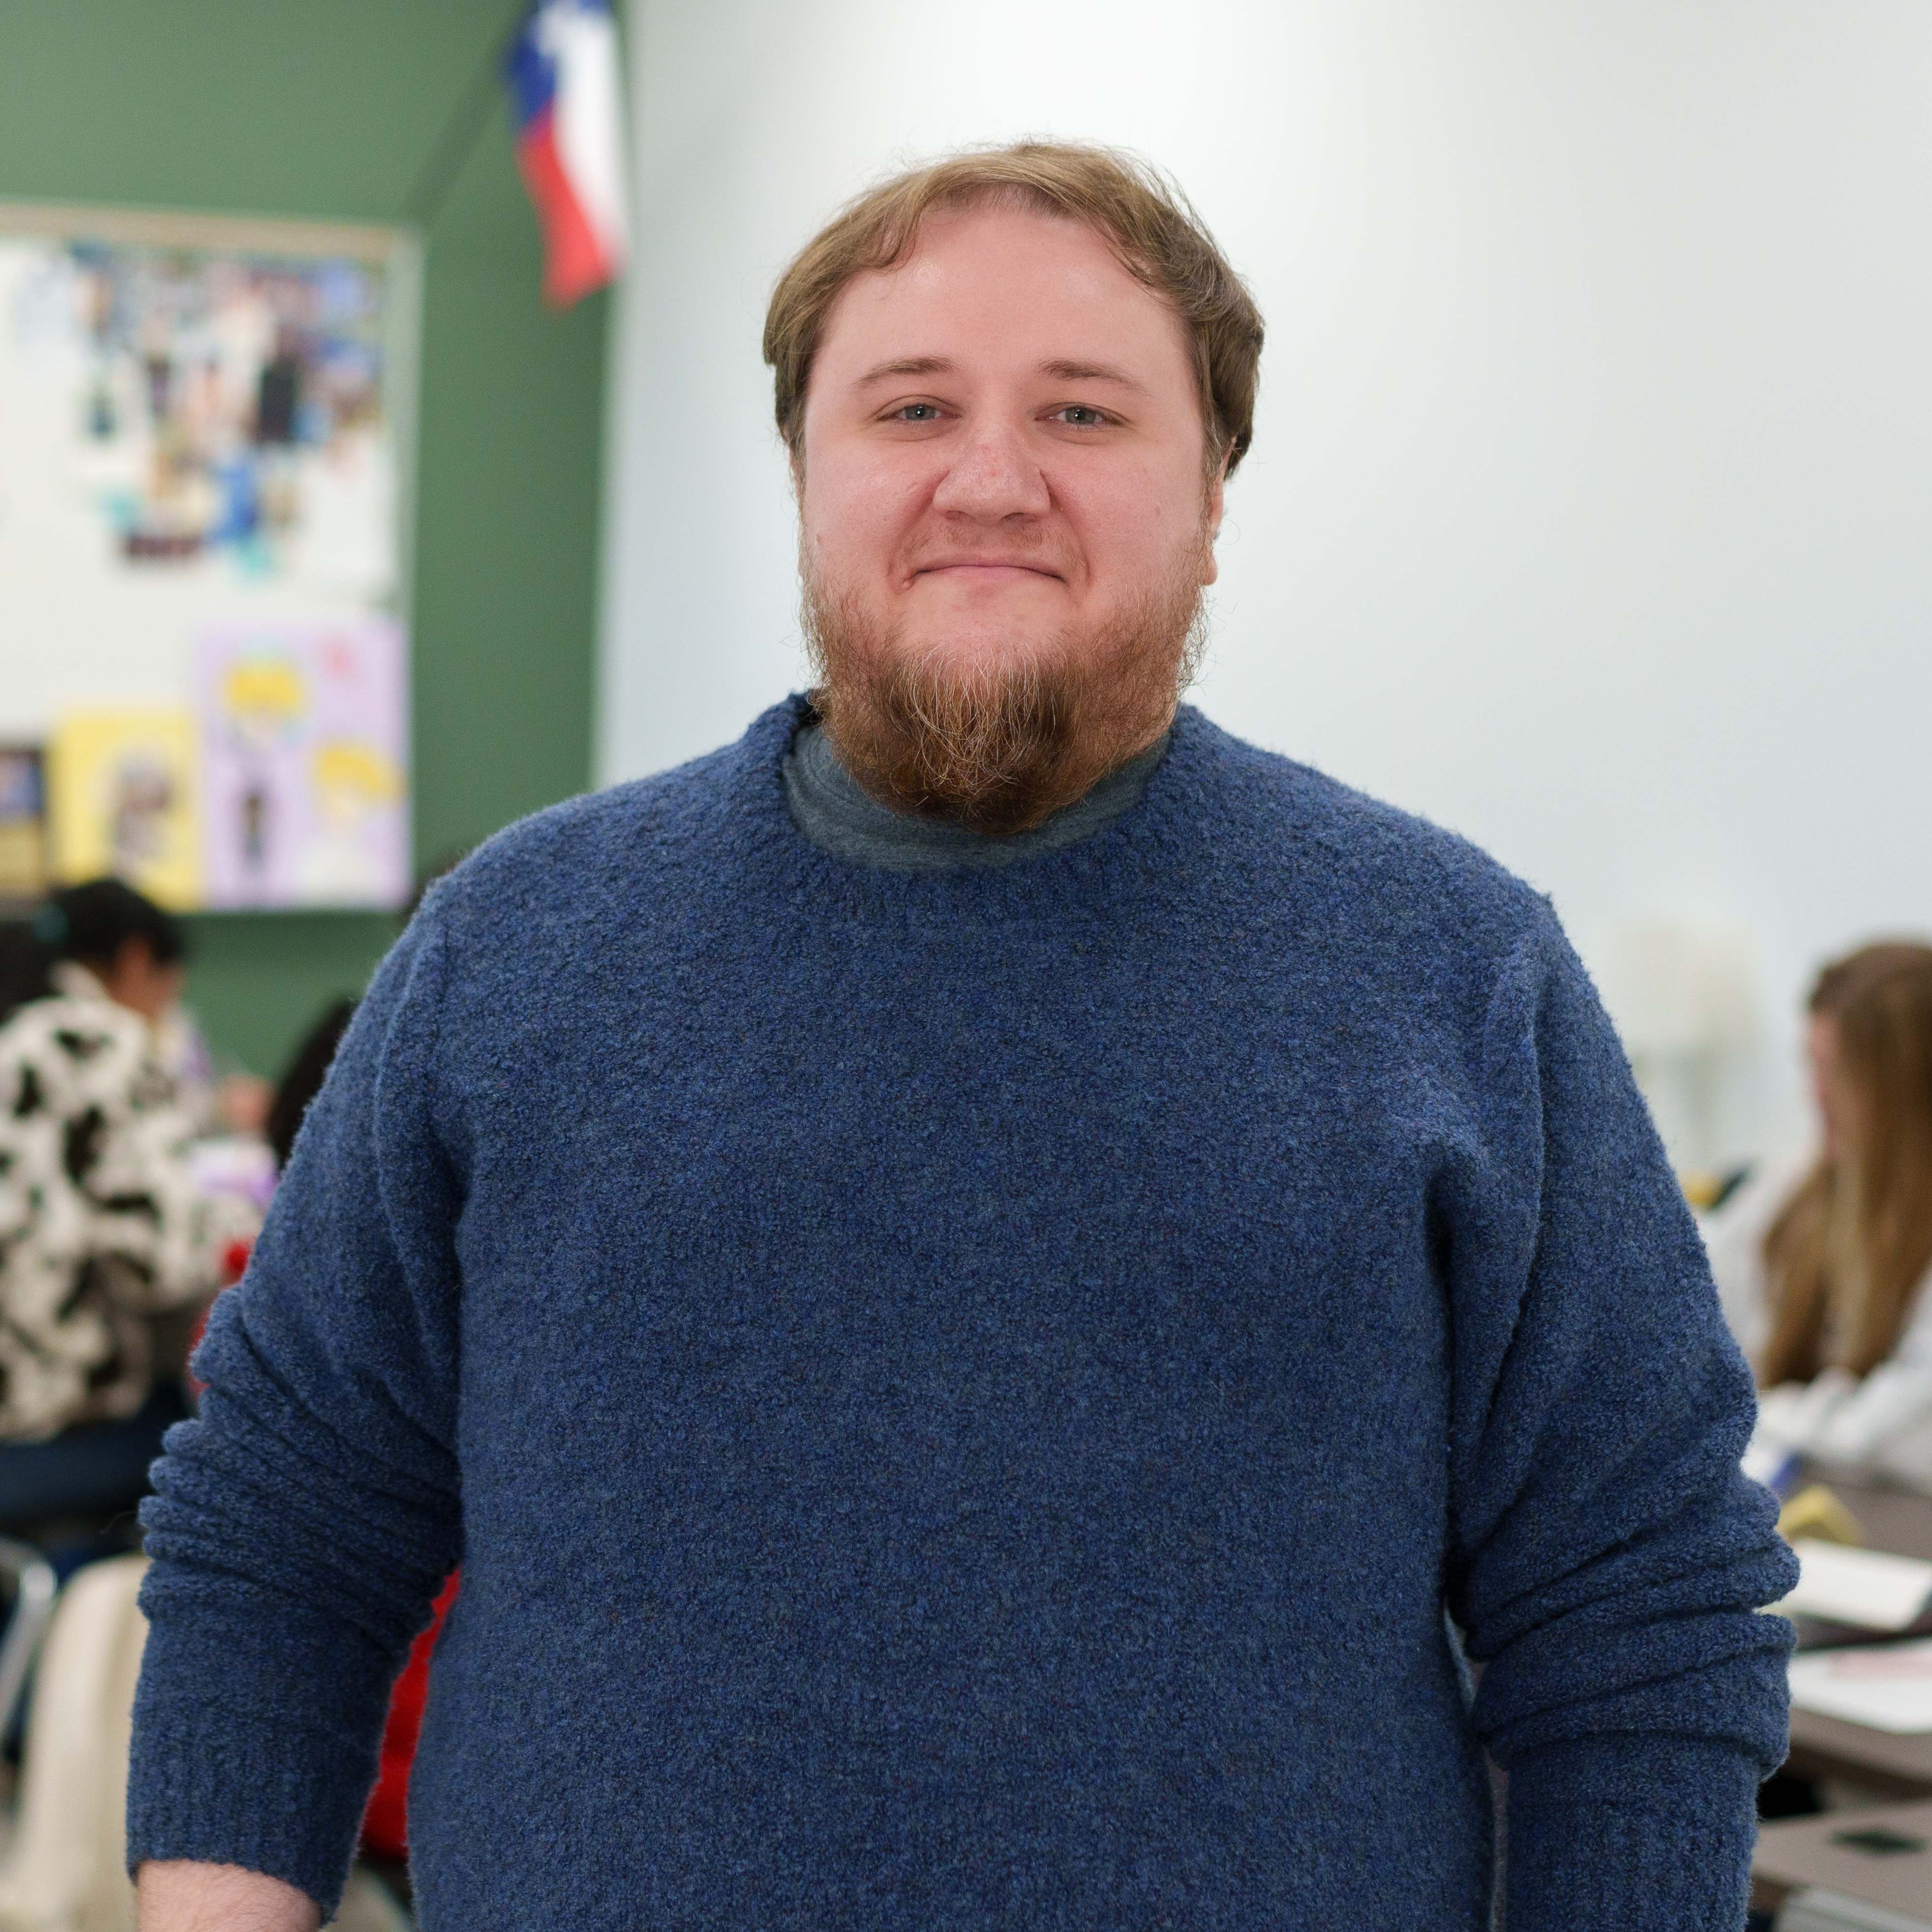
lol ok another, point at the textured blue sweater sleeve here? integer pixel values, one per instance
(302, 1526)
(1609, 1553)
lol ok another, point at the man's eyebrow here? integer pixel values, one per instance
(909, 365)
(1061, 371)
(1089, 372)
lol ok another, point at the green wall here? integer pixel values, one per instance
(344, 111)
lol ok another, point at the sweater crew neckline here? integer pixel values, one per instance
(1052, 867)
(830, 807)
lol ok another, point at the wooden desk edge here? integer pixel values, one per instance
(1889, 1764)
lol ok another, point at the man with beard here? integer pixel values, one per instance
(995, 1289)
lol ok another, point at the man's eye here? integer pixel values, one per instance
(917, 413)
(1080, 416)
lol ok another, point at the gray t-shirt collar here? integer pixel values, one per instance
(833, 810)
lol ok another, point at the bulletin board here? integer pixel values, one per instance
(206, 433)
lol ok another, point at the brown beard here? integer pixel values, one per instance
(999, 748)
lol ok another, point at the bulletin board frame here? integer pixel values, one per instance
(299, 246)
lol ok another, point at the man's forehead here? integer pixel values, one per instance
(1045, 290)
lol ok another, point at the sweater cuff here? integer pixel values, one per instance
(1621, 1833)
(222, 1785)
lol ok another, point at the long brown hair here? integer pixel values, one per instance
(1854, 1240)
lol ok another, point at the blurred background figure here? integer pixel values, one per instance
(218, 1103)
(111, 1242)
(1823, 1266)
(303, 1080)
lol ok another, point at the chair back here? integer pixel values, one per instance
(66, 1869)
(34, 1587)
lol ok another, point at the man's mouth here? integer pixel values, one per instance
(991, 568)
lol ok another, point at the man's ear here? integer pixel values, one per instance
(1211, 513)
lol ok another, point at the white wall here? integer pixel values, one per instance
(1589, 504)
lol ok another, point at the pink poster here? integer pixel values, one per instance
(304, 727)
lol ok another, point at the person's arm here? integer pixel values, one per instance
(180, 1897)
(301, 1527)
(135, 1173)
(1793, 1416)
(1609, 1554)
(1873, 1413)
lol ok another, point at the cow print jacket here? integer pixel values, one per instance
(102, 1228)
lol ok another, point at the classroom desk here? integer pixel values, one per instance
(1885, 1764)
(1883, 1858)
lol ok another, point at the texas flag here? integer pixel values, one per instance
(562, 71)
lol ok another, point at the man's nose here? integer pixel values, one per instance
(993, 475)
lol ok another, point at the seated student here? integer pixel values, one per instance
(103, 1231)
(1823, 1272)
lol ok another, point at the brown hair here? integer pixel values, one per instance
(1854, 1240)
(1146, 220)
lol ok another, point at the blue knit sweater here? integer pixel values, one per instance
(963, 1400)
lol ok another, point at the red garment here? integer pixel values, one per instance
(385, 1824)
(234, 1265)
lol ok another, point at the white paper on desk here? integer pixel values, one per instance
(1887, 1686)
(1865, 1587)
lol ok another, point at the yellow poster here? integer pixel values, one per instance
(122, 798)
